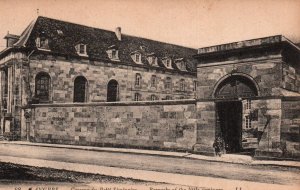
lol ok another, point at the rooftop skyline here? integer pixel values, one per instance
(192, 23)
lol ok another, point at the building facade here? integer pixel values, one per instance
(73, 84)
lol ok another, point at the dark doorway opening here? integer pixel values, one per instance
(112, 91)
(229, 122)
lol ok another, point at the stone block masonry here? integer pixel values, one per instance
(167, 125)
(290, 128)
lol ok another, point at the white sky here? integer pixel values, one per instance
(191, 23)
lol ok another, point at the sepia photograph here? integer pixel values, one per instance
(149, 94)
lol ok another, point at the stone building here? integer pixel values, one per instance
(250, 93)
(73, 84)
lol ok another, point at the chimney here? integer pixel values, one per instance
(118, 33)
(11, 39)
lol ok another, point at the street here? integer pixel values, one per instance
(261, 173)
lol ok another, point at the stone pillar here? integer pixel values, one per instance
(206, 127)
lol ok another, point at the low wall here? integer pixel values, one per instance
(155, 125)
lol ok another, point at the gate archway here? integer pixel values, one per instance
(229, 93)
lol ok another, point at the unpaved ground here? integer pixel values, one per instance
(18, 177)
(262, 173)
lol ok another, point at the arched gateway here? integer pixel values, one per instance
(229, 94)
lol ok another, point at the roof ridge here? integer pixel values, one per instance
(181, 46)
(69, 22)
(124, 34)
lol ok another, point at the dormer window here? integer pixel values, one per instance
(152, 60)
(81, 49)
(42, 43)
(137, 57)
(181, 64)
(168, 63)
(113, 54)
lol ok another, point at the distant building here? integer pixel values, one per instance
(73, 84)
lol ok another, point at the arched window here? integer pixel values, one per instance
(153, 97)
(137, 97)
(42, 87)
(182, 85)
(168, 83)
(80, 89)
(112, 91)
(138, 78)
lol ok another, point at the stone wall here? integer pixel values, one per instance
(158, 125)
(290, 127)
(290, 78)
(268, 127)
(205, 127)
(98, 74)
(266, 73)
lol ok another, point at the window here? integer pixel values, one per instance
(80, 88)
(168, 63)
(113, 54)
(42, 86)
(137, 97)
(248, 104)
(153, 81)
(112, 91)
(153, 97)
(42, 42)
(168, 98)
(182, 85)
(181, 64)
(152, 60)
(248, 121)
(168, 84)
(195, 86)
(138, 78)
(138, 58)
(81, 49)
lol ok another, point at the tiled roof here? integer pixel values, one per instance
(98, 42)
